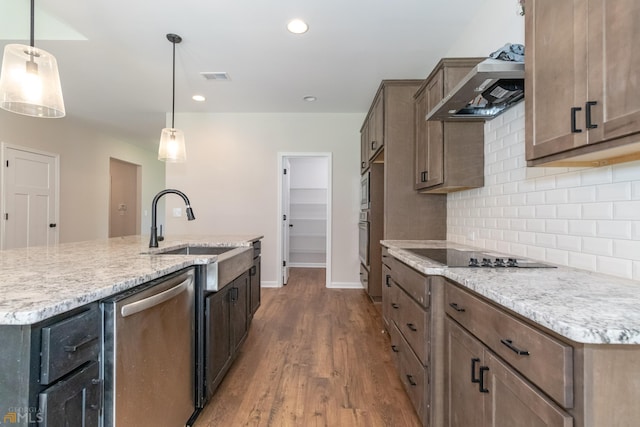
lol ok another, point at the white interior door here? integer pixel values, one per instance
(286, 213)
(30, 189)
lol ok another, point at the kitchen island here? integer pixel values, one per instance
(507, 346)
(58, 358)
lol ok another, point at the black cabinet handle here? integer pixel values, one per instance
(456, 307)
(516, 350)
(253, 271)
(412, 327)
(587, 114)
(394, 305)
(76, 347)
(411, 381)
(423, 176)
(52, 225)
(363, 165)
(394, 349)
(483, 369)
(574, 110)
(386, 281)
(97, 382)
(473, 370)
(374, 144)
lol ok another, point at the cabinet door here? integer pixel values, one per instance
(364, 148)
(420, 140)
(239, 309)
(218, 340)
(255, 285)
(555, 75)
(435, 133)
(464, 358)
(513, 401)
(74, 401)
(614, 68)
(376, 126)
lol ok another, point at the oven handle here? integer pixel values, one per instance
(152, 301)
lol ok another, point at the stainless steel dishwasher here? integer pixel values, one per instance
(149, 354)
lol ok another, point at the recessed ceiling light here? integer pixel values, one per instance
(198, 98)
(297, 26)
(310, 98)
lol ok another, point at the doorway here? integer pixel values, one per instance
(30, 194)
(304, 200)
(124, 198)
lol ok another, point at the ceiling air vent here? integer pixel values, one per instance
(221, 76)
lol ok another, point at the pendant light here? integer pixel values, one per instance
(172, 148)
(29, 81)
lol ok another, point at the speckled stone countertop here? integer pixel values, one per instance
(39, 282)
(582, 306)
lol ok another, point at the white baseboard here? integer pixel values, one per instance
(307, 264)
(269, 284)
(345, 285)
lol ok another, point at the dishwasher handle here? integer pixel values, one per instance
(152, 301)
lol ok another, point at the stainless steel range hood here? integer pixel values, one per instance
(488, 90)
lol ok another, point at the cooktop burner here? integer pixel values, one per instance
(459, 258)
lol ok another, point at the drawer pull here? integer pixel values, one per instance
(411, 381)
(473, 370)
(574, 128)
(412, 327)
(588, 106)
(516, 350)
(456, 307)
(394, 305)
(76, 347)
(395, 349)
(483, 369)
(386, 281)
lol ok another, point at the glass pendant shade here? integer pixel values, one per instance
(172, 147)
(30, 83)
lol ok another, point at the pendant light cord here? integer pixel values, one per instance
(32, 22)
(173, 95)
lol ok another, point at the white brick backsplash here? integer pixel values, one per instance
(612, 192)
(615, 230)
(586, 218)
(627, 249)
(597, 246)
(597, 211)
(615, 266)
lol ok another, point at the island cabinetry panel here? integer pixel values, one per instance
(581, 80)
(449, 156)
(255, 277)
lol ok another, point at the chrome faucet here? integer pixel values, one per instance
(153, 243)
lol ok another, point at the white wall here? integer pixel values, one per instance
(84, 170)
(231, 178)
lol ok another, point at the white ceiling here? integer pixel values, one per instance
(115, 61)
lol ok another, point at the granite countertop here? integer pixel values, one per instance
(582, 306)
(40, 282)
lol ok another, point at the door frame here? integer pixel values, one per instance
(3, 158)
(328, 156)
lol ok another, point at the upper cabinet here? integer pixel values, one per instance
(372, 133)
(449, 156)
(582, 79)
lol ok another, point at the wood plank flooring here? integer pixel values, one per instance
(314, 357)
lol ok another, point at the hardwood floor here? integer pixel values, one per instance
(314, 357)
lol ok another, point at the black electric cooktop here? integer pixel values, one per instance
(474, 259)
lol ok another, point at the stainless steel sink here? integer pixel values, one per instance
(229, 263)
(197, 250)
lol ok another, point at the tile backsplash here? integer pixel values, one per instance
(588, 218)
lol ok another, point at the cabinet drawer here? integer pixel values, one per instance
(413, 324)
(69, 343)
(544, 360)
(364, 277)
(414, 377)
(414, 283)
(395, 345)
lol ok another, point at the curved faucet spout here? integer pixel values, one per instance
(153, 242)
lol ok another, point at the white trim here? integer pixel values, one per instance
(328, 156)
(3, 158)
(345, 285)
(269, 284)
(307, 264)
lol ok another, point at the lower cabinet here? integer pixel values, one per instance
(484, 391)
(226, 326)
(254, 279)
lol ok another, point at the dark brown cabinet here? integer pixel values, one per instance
(255, 278)
(226, 327)
(449, 156)
(581, 79)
